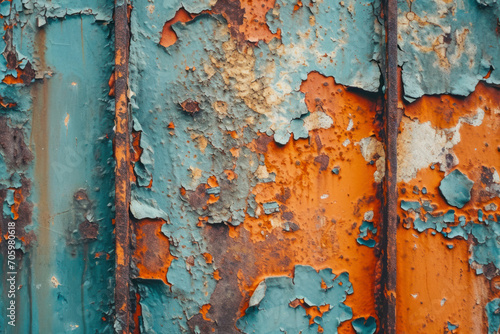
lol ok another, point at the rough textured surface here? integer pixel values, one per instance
(274, 306)
(447, 47)
(447, 159)
(56, 168)
(220, 122)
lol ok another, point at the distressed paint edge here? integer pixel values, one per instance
(122, 179)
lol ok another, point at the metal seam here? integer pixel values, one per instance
(391, 124)
(122, 179)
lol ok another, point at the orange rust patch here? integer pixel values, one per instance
(208, 257)
(137, 314)
(212, 182)
(325, 208)
(6, 105)
(18, 199)
(204, 310)
(212, 199)
(24, 76)
(437, 284)
(233, 231)
(311, 311)
(230, 174)
(217, 275)
(152, 251)
(168, 36)
(254, 26)
(233, 134)
(171, 125)
(111, 84)
(297, 6)
(235, 152)
(444, 111)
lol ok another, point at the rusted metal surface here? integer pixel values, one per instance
(122, 178)
(281, 166)
(391, 127)
(56, 173)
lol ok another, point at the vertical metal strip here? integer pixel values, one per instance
(122, 179)
(391, 120)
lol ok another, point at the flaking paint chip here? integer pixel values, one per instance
(456, 188)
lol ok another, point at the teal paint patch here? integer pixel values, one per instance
(447, 48)
(410, 205)
(270, 311)
(65, 285)
(342, 48)
(159, 308)
(456, 188)
(143, 207)
(492, 310)
(366, 233)
(80, 180)
(270, 207)
(364, 325)
(451, 326)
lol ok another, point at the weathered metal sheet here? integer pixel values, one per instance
(56, 165)
(252, 163)
(271, 168)
(449, 197)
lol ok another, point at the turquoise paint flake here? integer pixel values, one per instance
(492, 310)
(485, 248)
(270, 312)
(364, 325)
(270, 207)
(410, 205)
(451, 326)
(363, 238)
(456, 188)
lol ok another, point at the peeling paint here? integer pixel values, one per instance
(274, 306)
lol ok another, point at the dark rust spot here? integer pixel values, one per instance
(190, 106)
(284, 195)
(197, 198)
(262, 143)
(16, 153)
(88, 230)
(323, 161)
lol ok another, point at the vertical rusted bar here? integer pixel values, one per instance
(391, 125)
(122, 179)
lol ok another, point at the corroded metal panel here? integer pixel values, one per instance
(256, 193)
(271, 166)
(56, 166)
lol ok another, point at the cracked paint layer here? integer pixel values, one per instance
(225, 122)
(447, 47)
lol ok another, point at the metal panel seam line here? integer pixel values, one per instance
(391, 125)
(122, 179)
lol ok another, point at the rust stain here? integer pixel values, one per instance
(152, 252)
(40, 136)
(326, 227)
